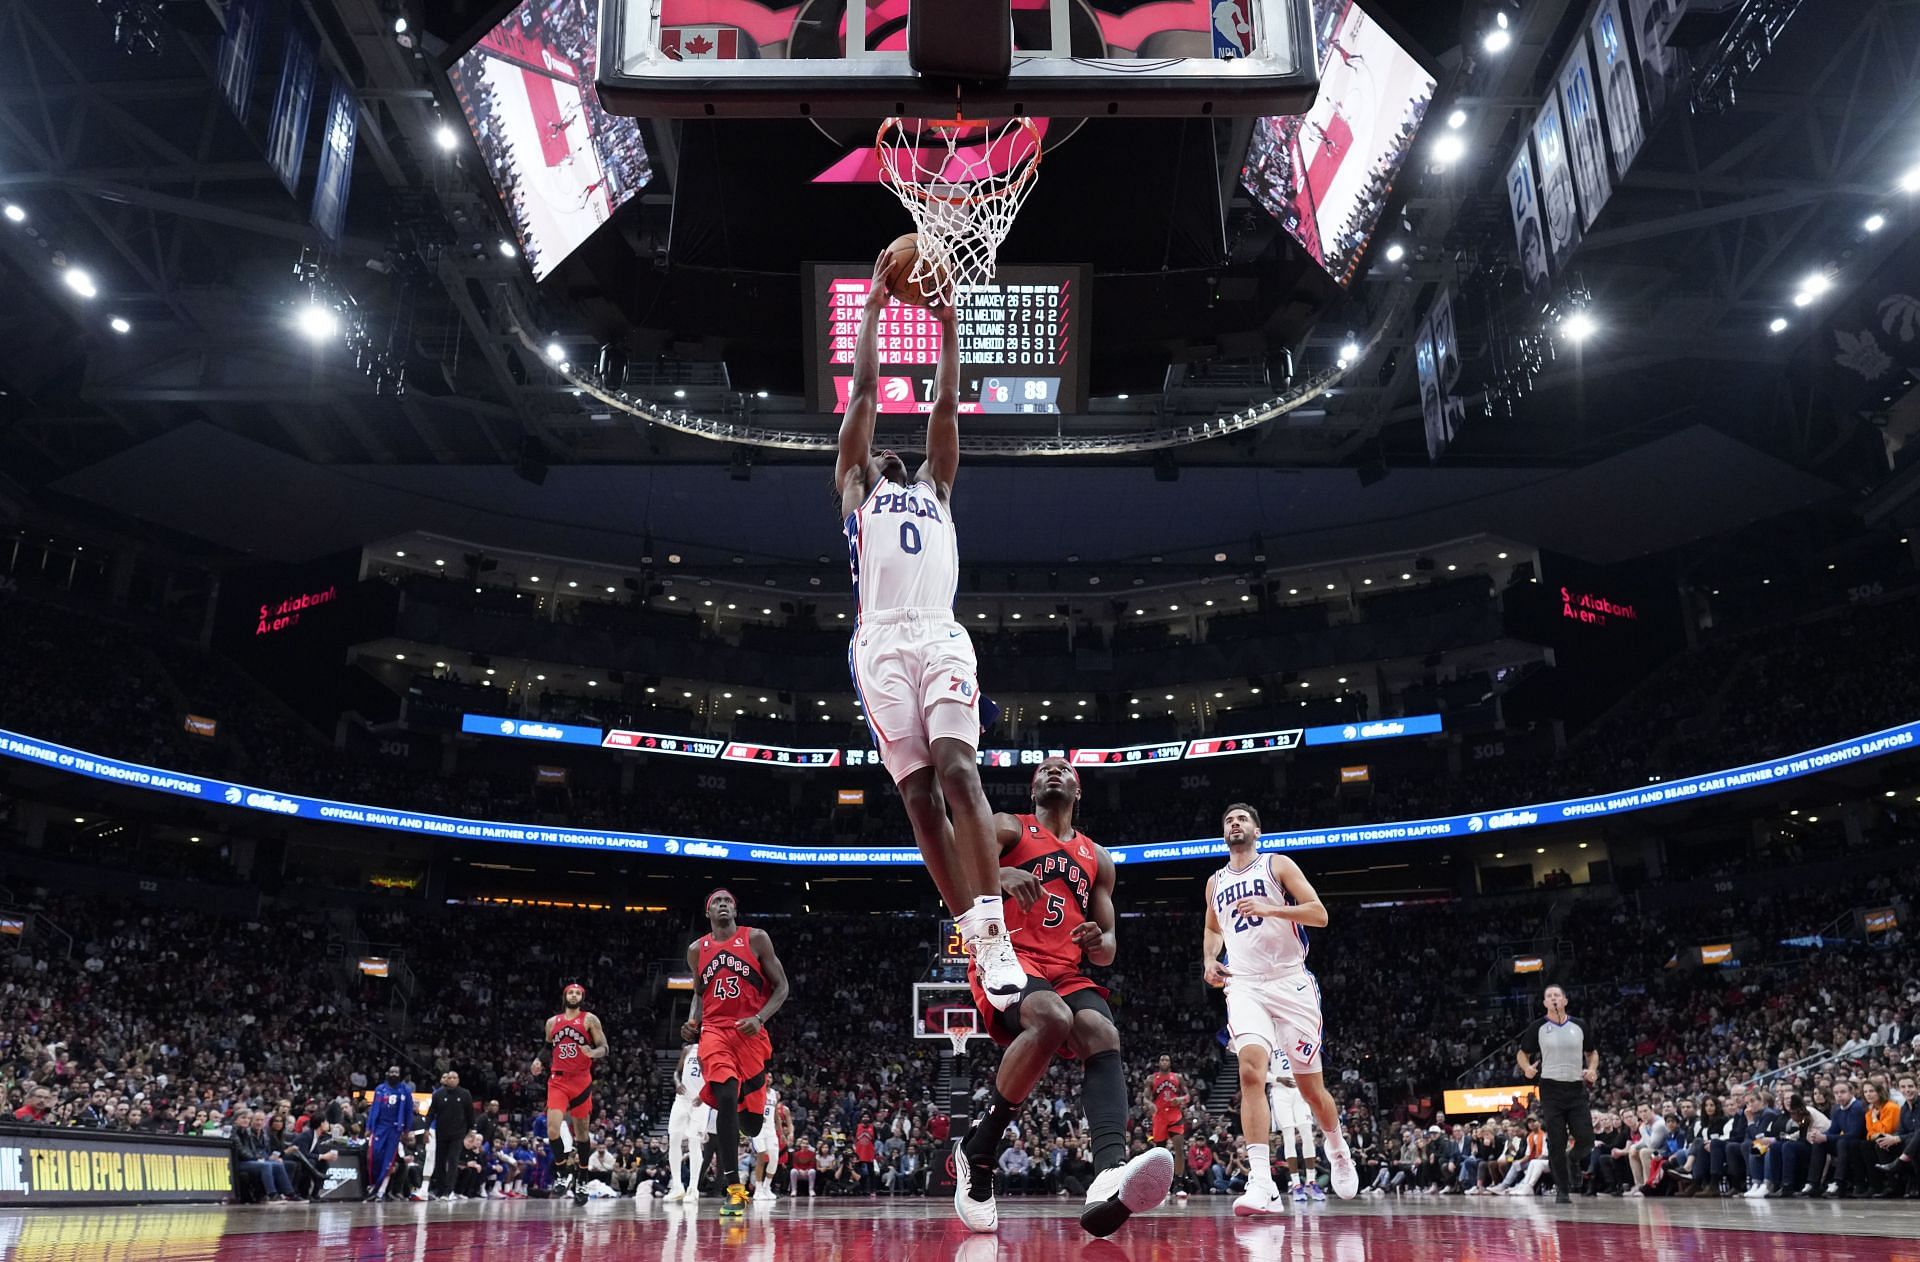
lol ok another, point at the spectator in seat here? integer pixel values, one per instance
(1838, 1147)
(469, 1171)
(1900, 1149)
(1199, 1166)
(258, 1159)
(1649, 1143)
(1700, 1170)
(1764, 1123)
(38, 1106)
(802, 1167)
(1607, 1170)
(1791, 1151)
(1015, 1167)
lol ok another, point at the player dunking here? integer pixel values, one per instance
(1170, 1097)
(574, 1040)
(1061, 884)
(1261, 908)
(740, 984)
(912, 662)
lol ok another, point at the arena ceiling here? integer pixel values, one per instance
(210, 418)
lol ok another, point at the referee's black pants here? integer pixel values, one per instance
(1563, 1107)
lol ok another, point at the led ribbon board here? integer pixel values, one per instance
(77, 762)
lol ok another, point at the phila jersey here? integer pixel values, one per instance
(729, 982)
(903, 550)
(690, 1079)
(1257, 946)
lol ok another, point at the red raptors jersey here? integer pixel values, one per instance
(1167, 1092)
(731, 986)
(1042, 934)
(570, 1041)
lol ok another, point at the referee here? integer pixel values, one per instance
(1555, 1051)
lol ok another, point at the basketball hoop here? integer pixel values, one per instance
(963, 182)
(962, 1026)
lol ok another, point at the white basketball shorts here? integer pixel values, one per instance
(767, 1144)
(1282, 1012)
(690, 1117)
(1289, 1111)
(914, 671)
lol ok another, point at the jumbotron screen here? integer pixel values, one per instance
(561, 163)
(1326, 174)
(1020, 342)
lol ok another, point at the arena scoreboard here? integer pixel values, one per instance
(1258, 742)
(1127, 754)
(1021, 340)
(779, 755)
(949, 951)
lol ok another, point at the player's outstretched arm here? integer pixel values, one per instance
(943, 423)
(1096, 935)
(863, 397)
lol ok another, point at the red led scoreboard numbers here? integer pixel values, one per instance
(1129, 755)
(1020, 349)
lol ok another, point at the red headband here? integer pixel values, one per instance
(717, 893)
(570, 985)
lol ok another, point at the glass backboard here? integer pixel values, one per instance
(1072, 58)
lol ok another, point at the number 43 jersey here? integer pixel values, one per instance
(731, 985)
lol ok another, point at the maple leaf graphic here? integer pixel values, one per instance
(1861, 352)
(698, 46)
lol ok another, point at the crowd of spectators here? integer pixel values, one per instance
(1737, 700)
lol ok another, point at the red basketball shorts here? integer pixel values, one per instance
(726, 1053)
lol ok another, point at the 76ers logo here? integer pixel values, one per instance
(962, 685)
(1306, 1050)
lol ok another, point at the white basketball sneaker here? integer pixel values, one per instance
(1000, 973)
(763, 1191)
(1260, 1199)
(1346, 1178)
(980, 1215)
(677, 1194)
(1123, 1191)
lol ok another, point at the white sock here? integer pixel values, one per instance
(1259, 1164)
(986, 910)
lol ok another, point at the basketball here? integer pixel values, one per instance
(903, 253)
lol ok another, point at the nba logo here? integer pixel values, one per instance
(1232, 29)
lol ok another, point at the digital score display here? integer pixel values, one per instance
(950, 950)
(661, 743)
(1255, 743)
(1020, 342)
(779, 755)
(1129, 754)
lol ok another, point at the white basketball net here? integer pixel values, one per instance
(963, 183)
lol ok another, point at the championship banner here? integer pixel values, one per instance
(1586, 145)
(1663, 69)
(287, 129)
(1528, 234)
(1619, 85)
(1558, 212)
(1446, 344)
(66, 1167)
(1870, 343)
(335, 176)
(239, 52)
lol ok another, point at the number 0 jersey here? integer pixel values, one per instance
(903, 549)
(1257, 946)
(731, 985)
